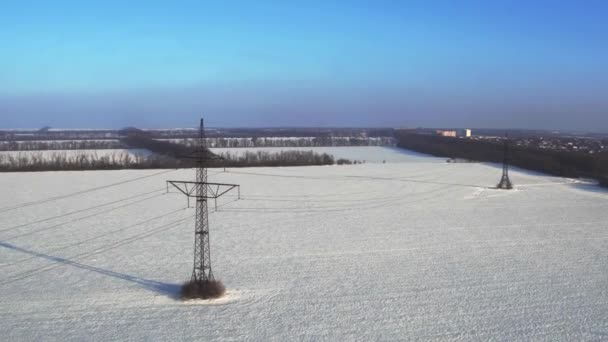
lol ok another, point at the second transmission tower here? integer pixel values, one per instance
(505, 182)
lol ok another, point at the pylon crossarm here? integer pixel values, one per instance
(217, 194)
(190, 188)
(184, 187)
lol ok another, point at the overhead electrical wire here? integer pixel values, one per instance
(106, 234)
(340, 208)
(80, 210)
(96, 237)
(55, 198)
(99, 250)
(382, 201)
(352, 177)
(83, 217)
(102, 249)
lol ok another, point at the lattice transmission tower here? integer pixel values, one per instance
(505, 182)
(202, 191)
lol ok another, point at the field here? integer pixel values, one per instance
(412, 250)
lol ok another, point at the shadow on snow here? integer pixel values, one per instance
(170, 290)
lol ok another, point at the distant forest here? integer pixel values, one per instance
(179, 151)
(46, 145)
(559, 163)
(188, 133)
(165, 155)
(293, 141)
(222, 142)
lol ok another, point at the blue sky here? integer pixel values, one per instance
(517, 64)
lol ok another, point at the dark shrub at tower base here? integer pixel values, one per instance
(202, 290)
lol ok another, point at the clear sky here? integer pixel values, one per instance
(503, 64)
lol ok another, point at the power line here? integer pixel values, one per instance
(100, 250)
(307, 199)
(83, 210)
(106, 234)
(419, 181)
(342, 208)
(82, 218)
(55, 198)
(284, 176)
(352, 177)
(278, 197)
(79, 211)
(96, 237)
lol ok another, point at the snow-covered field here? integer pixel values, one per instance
(375, 252)
(368, 154)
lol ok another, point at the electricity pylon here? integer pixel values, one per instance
(505, 182)
(202, 191)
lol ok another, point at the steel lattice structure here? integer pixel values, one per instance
(505, 182)
(202, 191)
(202, 250)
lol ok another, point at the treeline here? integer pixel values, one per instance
(182, 153)
(282, 158)
(59, 145)
(290, 142)
(558, 163)
(45, 134)
(66, 161)
(157, 146)
(155, 154)
(297, 132)
(45, 145)
(48, 133)
(57, 161)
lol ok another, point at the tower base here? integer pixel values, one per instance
(206, 289)
(505, 183)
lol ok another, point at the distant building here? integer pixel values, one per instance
(467, 133)
(446, 133)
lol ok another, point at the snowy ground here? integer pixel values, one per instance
(368, 154)
(375, 252)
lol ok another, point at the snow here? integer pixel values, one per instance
(375, 252)
(369, 154)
